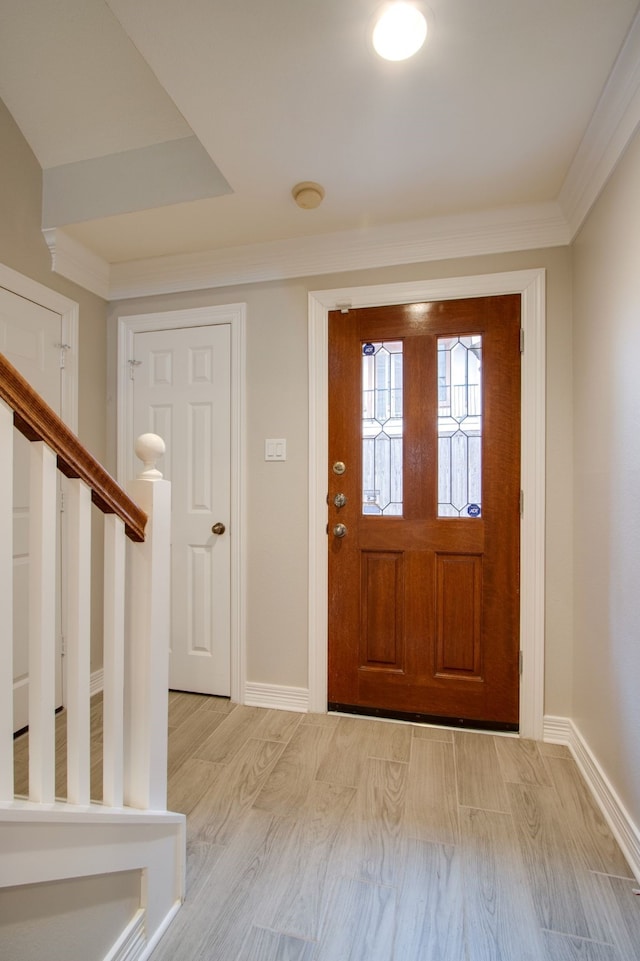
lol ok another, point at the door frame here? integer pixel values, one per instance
(69, 311)
(531, 285)
(235, 316)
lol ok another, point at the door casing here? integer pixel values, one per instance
(235, 316)
(17, 283)
(531, 285)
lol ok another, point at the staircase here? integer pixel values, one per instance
(82, 878)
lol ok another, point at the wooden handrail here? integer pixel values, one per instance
(37, 421)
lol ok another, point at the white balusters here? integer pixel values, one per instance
(6, 603)
(113, 690)
(42, 623)
(148, 662)
(78, 640)
(136, 634)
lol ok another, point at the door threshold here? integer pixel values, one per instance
(431, 720)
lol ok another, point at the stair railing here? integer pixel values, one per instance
(136, 611)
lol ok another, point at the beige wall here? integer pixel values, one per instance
(606, 699)
(22, 247)
(277, 406)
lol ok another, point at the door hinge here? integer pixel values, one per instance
(522, 340)
(521, 503)
(520, 662)
(132, 367)
(63, 348)
(62, 502)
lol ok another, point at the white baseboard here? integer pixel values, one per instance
(155, 938)
(275, 695)
(96, 682)
(132, 942)
(562, 730)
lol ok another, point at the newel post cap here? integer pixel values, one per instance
(149, 448)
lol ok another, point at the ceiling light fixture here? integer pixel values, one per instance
(400, 31)
(308, 195)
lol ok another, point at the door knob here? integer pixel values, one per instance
(339, 530)
(218, 528)
(340, 500)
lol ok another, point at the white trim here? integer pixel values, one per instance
(76, 262)
(235, 316)
(30, 289)
(531, 285)
(438, 238)
(132, 942)
(160, 931)
(613, 123)
(276, 695)
(563, 730)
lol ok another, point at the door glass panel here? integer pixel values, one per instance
(460, 426)
(382, 428)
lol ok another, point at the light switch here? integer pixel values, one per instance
(275, 448)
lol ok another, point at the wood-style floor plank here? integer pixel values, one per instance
(347, 751)
(591, 833)
(193, 729)
(298, 894)
(218, 814)
(562, 890)
(426, 733)
(521, 762)
(230, 735)
(499, 916)
(286, 789)
(263, 945)
(360, 923)
(562, 947)
(430, 904)
(431, 808)
(478, 773)
(370, 840)
(193, 779)
(622, 908)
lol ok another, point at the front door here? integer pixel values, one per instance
(424, 511)
(182, 392)
(30, 337)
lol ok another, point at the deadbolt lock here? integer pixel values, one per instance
(340, 500)
(339, 467)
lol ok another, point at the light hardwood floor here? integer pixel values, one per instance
(325, 838)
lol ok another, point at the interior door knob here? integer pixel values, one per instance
(218, 528)
(339, 530)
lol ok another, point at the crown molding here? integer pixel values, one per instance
(496, 231)
(613, 124)
(76, 262)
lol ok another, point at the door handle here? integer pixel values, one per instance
(339, 530)
(218, 528)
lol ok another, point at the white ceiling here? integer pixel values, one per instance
(489, 115)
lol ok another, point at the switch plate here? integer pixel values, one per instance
(275, 448)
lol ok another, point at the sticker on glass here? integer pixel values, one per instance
(473, 510)
(368, 349)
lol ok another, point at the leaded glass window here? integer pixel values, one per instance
(382, 426)
(460, 426)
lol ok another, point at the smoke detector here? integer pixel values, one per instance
(308, 195)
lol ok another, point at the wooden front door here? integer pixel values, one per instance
(424, 511)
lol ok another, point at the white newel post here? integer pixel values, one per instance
(147, 682)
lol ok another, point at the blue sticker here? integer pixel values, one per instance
(368, 349)
(473, 510)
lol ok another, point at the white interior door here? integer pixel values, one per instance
(182, 391)
(30, 337)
